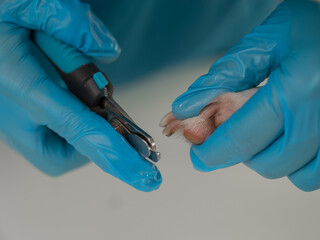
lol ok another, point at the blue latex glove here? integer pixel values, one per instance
(40, 118)
(277, 132)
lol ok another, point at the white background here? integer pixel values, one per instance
(233, 203)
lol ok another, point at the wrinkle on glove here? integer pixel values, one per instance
(70, 21)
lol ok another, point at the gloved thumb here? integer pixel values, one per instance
(244, 66)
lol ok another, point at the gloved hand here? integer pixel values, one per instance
(277, 132)
(40, 118)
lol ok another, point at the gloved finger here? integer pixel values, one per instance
(248, 131)
(57, 109)
(246, 65)
(39, 145)
(307, 178)
(61, 19)
(299, 143)
(202, 166)
(271, 165)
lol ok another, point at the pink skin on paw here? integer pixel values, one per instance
(198, 129)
